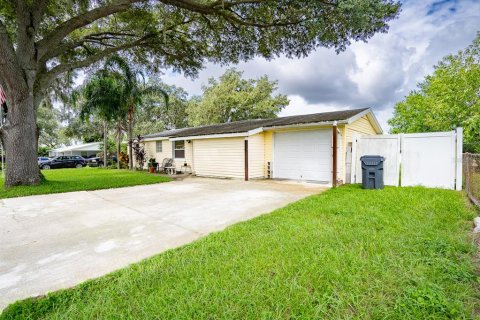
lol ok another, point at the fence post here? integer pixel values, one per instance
(334, 154)
(401, 150)
(458, 159)
(467, 173)
(471, 182)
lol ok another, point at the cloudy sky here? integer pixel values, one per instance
(376, 74)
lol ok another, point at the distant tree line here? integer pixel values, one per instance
(108, 93)
(448, 98)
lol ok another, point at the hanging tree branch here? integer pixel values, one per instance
(223, 9)
(64, 29)
(68, 66)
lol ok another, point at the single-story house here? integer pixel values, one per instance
(296, 147)
(84, 150)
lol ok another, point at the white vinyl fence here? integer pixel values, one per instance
(428, 159)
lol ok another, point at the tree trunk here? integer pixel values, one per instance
(119, 142)
(18, 73)
(130, 147)
(130, 135)
(20, 141)
(105, 143)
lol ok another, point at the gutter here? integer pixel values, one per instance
(211, 136)
(303, 125)
(252, 132)
(155, 138)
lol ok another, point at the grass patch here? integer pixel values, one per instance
(65, 180)
(398, 253)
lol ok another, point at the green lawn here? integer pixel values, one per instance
(65, 180)
(399, 253)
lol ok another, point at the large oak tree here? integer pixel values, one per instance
(42, 39)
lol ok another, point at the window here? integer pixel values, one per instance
(158, 146)
(179, 149)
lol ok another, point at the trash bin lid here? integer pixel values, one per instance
(372, 160)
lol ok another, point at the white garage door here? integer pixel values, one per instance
(303, 155)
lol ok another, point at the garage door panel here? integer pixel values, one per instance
(303, 155)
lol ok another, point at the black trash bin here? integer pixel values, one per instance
(372, 172)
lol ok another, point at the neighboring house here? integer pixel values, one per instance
(296, 147)
(84, 150)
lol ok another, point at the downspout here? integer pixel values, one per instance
(246, 159)
(334, 154)
(192, 165)
(130, 134)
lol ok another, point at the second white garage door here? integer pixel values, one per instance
(219, 157)
(303, 155)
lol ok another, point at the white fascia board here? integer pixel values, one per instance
(254, 131)
(155, 139)
(211, 136)
(92, 146)
(306, 125)
(87, 149)
(371, 116)
(376, 124)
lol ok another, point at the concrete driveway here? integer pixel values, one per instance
(56, 241)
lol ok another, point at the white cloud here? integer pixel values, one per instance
(376, 74)
(298, 105)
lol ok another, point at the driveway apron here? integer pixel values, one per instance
(56, 241)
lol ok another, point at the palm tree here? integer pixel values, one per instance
(134, 91)
(104, 96)
(111, 94)
(119, 130)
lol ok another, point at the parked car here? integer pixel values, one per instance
(43, 159)
(63, 162)
(94, 162)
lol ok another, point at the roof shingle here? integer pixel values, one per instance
(247, 125)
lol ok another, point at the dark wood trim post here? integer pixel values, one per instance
(334, 154)
(246, 159)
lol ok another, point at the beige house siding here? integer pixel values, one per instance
(342, 153)
(224, 157)
(167, 152)
(268, 147)
(188, 155)
(256, 156)
(360, 126)
(221, 157)
(151, 150)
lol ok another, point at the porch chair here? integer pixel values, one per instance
(167, 162)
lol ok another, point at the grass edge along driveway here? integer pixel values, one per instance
(67, 180)
(398, 253)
